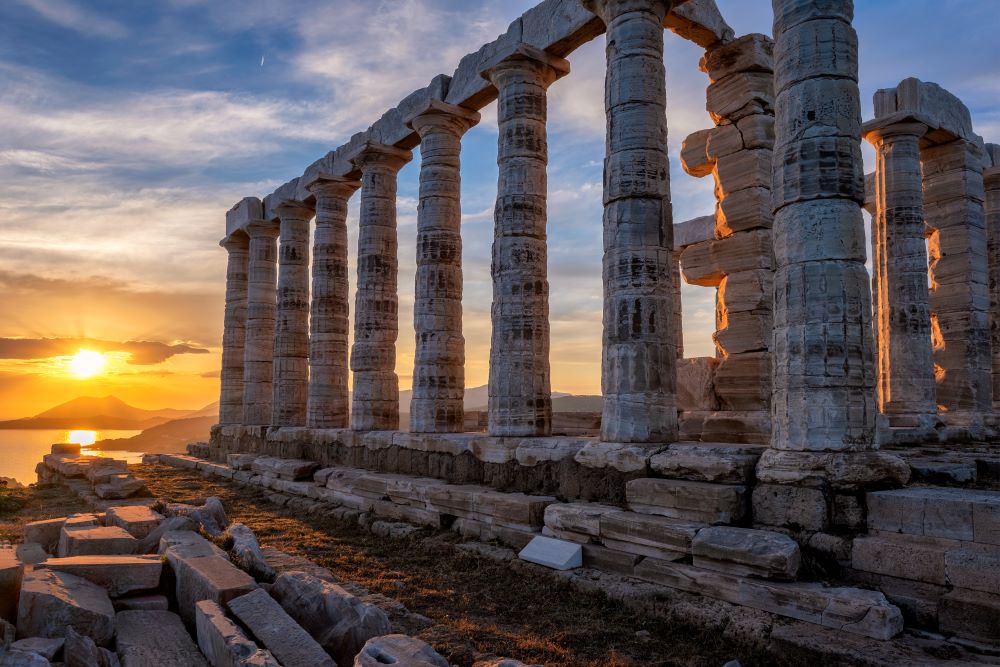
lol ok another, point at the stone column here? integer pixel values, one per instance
(237, 245)
(823, 366)
(375, 405)
(992, 183)
(520, 401)
(261, 299)
(638, 369)
(906, 385)
(291, 331)
(437, 405)
(329, 403)
(960, 296)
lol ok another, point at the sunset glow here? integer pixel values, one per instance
(82, 438)
(87, 363)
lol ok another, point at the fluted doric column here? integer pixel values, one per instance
(261, 299)
(520, 395)
(237, 245)
(639, 368)
(823, 366)
(991, 178)
(291, 331)
(375, 404)
(907, 391)
(329, 403)
(437, 405)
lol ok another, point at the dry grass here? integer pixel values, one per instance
(478, 607)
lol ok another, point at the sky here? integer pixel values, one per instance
(128, 129)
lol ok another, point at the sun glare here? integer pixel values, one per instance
(87, 363)
(82, 438)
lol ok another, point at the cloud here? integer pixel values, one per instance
(141, 352)
(71, 16)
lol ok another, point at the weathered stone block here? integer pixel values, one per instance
(739, 95)
(582, 518)
(746, 551)
(95, 540)
(719, 464)
(907, 557)
(47, 647)
(51, 602)
(398, 650)
(206, 578)
(117, 574)
(224, 643)
(794, 507)
(696, 384)
(750, 168)
(694, 154)
(137, 520)
(290, 469)
(749, 53)
(290, 644)
(709, 262)
(155, 638)
(970, 615)
(648, 535)
(689, 501)
(743, 381)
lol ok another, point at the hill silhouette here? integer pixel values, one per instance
(89, 412)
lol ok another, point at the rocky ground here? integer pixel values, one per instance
(476, 605)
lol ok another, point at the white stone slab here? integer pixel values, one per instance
(557, 554)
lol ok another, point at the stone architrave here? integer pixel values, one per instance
(291, 332)
(823, 356)
(329, 402)
(375, 403)
(991, 177)
(237, 245)
(520, 401)
(638, 370)
(258, 356)
(437, 405)
(906, 385)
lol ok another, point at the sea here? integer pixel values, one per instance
(21, 450)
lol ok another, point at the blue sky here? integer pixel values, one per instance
(127, 129)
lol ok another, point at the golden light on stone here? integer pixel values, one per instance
(87, 363)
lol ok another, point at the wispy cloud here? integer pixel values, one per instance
(72, 16)
(140, 352)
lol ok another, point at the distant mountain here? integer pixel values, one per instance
(167, 438)
(87, 412)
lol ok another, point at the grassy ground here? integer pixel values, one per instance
(477, 606)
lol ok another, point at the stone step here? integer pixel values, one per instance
(959, 514)
(647, 535)
(707, 462)
(930, 560)
(290, 469)
(852, 610)
(277, 631)
(690, 501)
(155, 639)
(95, 540)
(117, 574)
(137, 520)
(746, 551)
(971, 615)
(576, 521)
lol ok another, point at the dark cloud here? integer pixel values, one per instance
(142, 352)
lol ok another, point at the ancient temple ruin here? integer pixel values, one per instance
(751, 476)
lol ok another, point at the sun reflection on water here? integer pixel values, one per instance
(82, 438)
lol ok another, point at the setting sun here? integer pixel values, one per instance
(87, 363)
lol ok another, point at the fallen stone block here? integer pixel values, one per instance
(47, 532)
(142, 603)
(30, 553)
(117, 574)
(247, 555)
(852, 610)
(65, 449)
(206, 578)
(648, 535)
(95, 540)
(290, 469)
(689, 501)
(287, 641)
(53, 601)
(118, 487)
(11, 575)
(81, 651)
(136, 520)
(223, 643)
(102, 468)
(720, 464)
(211, 516)
(338, 620)
(398, 650)
(555, 554)
(746, 551)
(151, 542)
(47, 647)
(155, 639)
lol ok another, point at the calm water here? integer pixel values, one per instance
(20, 451)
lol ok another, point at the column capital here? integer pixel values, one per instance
(238, 240)
(608, 10)
(524, 58)
(371, 153)
(876, 132)
(435, 114)
(294, 210)
(261, 229)
(339, 187)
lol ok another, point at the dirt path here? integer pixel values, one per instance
(477, 606)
